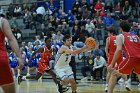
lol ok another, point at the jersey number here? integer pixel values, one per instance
(115, 42)
(133, 38)
(67, 57)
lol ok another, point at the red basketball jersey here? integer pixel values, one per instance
(112, 45)
(131, 45)
(46, 55)
(112, 49)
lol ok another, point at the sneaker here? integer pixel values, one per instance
(19, 79)
(106, 88)
(127, 86)
(121, 81)
(84, 79)
(60, 89)
(139, 85)
(65, 89)
(91, 78)
(27, 74)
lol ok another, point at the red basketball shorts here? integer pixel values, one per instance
(117, 62)
(129, 64)
(42, 67)
(6, 76)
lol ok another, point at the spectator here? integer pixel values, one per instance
(109, 4)
(100, 31)
(108, 20)
(40, 13)
(79, 14)
(99, 63)
(127, 9)
(88, 67)
(90, 27)
(17, 11)
(98, 7)
(77, 4)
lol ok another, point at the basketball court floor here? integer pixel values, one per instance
(47, 86)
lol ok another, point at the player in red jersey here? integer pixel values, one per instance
(43, 64)
(130, 44)
(110, 50)
(6, 77)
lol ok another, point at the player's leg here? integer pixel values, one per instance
(138, 79)
(53, 75)
(137, 69)
(127, 87)
(112, 81)
(9, 88)
(36, 77)
(73, 85)
(107, 80)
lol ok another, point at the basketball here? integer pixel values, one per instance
(90, 42)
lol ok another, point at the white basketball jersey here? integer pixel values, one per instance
(62, 59)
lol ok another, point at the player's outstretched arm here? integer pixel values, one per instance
(34, 53)
(76, 51)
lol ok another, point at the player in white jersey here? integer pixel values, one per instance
(63, 58)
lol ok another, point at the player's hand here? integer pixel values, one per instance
(107, 54)
(20, 62)
(110, 68)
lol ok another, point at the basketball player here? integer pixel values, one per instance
(6, 77)
(130, 44)
(43, 64)
(63, 58)
(110, 50)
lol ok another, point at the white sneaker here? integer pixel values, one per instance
(84, 79)
(106, 88)
(127, 86)
(139, 85)
(121, 81)
(91, 78)
(27, 74)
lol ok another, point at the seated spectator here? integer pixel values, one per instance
(134, 29)
(109, 5)
(88, 67)
(99, 63)
(17, 11)
(108, 20)
(127, 9)
(100, 31)
(118, 10)
(102, 13)
(97, 50)
(98, 7)
(13, 22)
(90, 27)
(40, 13)
(77, 4)
(79, 14)
(27, 19)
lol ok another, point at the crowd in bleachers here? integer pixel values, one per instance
(83, 20)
